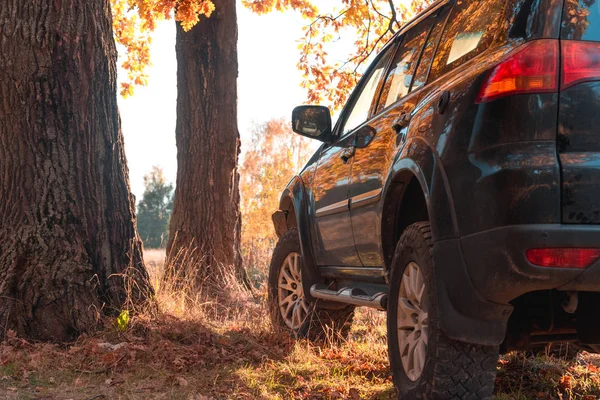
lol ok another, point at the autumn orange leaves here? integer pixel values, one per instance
(328, 79)
(135, 20)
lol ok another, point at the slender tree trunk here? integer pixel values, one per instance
(206, 217)
(67, 219)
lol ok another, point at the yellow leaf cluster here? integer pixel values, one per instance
(135, 40)
(189, 12)
(135, 20)
(306, 8)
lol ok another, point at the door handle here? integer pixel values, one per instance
(443, 102)
(347, 154)
(402, 121)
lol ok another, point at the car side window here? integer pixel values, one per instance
(361, 107)
(470, 30)
(400, 76)
(428, 51)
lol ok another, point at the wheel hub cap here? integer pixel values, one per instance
(292, 304)
(413, 322)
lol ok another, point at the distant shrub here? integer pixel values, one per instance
(154, 210)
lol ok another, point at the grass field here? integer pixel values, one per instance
(194, 348)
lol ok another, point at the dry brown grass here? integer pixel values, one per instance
(200, 345)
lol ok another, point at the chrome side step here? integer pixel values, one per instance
(349, 295)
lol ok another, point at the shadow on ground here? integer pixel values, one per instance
(170, 358)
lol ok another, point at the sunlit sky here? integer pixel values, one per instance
(268, 87)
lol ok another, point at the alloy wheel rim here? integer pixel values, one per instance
(292, 303)
(413, 322)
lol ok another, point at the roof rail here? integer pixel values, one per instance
(420, 16)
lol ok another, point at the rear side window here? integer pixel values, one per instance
(581, 20)
(400, 76)
(427, 57)
(469, 31)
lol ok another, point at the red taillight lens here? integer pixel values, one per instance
(581, 62)
(563, 257)
(531, 68)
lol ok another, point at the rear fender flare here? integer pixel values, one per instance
(418, 160)
(465, 315)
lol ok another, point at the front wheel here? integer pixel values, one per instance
(425, 363)
(289, 308)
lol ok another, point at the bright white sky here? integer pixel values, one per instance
(268, 87)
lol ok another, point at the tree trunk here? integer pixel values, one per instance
(68, 244)
(205, 224)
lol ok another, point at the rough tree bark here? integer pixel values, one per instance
(206, 217)
(67, 219)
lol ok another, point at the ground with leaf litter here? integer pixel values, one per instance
(197, 348)
(177, 359)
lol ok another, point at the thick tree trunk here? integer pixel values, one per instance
(67, 219)
(205, 223)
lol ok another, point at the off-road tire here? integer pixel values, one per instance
(452, 369)
(321, 323)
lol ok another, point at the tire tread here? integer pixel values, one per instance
(461, 370)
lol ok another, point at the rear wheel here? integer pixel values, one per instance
(425, 363)
(289, 308)
(412, 321)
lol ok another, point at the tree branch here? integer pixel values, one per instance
(393, 11)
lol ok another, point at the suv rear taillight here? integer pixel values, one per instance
(531, 68)
(563, 257)
(581, 62)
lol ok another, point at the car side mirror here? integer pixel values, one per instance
(313, 122)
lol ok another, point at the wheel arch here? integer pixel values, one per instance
(293, 212)
(417, 190)
(403, 195)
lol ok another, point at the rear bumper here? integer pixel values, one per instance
(500, 271)
(478, 275)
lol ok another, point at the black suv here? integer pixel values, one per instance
(459, 191)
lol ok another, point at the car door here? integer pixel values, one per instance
(333, 238)
(372, 161)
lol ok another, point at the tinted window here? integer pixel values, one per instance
(470, 30)
(427, 57)
(581, 20)
(359, 111)
(400, 76)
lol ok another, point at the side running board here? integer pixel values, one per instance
(350, 295)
